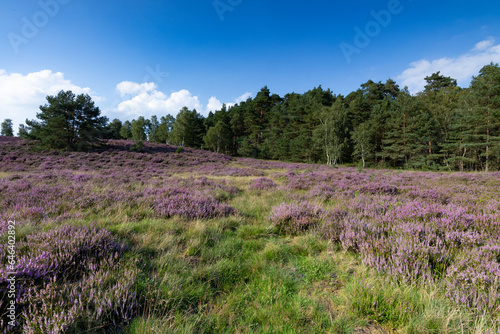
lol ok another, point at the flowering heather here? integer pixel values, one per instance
(263, 183)
(191, 206)
(295, 218)
(474, 278)
(410, 226)
(67, 276)
(18, 155)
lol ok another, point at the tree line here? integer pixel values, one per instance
(444, 127)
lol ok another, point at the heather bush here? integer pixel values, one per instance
(474, 279)
(323, 191)
(440, 229)
(104, 297)
(334, 225)
(263, 183)
(296, 217)
(70, 277)
(191, 206)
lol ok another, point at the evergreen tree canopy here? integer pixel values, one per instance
(113, 129)
(188, 129)
(68, 121)
(444, 127)
(437, 82)
(7, 128)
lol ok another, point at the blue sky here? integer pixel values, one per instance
(152, 57)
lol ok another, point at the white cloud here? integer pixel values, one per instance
(461, 68)
(214, 104)
(483, 45)
(128, 87)
(243, 97)
(21, 95)
(239, 99)
(146, 100)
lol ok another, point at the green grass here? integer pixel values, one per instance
(239, 275)
(4, 174)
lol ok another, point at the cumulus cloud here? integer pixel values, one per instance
(461, 68)
(127, 87)
(21, 95)
(146, 100)
(214, 104)
(243, 97)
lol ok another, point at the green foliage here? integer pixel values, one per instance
(137, 146)
(444, 127)
(126, 130)
(140, 128)
(113, 129)
(474, 138)
(7, 128)
(188, 129)
(152, 129)
(437, 82)
(23, 131)
(363, 142)
(218, 137)
(68, 122)
(158, 131)
(332, 135)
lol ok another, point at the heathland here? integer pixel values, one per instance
(161, 239)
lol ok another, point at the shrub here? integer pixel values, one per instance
(263, 183)
(296, 218)
(138, 146)
(192, 206)
(474, 279)
(68, 278)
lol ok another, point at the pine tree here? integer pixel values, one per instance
(484, 99)
(188, 129)
(441, 98)
(68, 122)
(409, 135)
(7, 128)
(113, 129)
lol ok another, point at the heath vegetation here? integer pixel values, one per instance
(154, 241)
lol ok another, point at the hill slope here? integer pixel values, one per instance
(159, 241)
